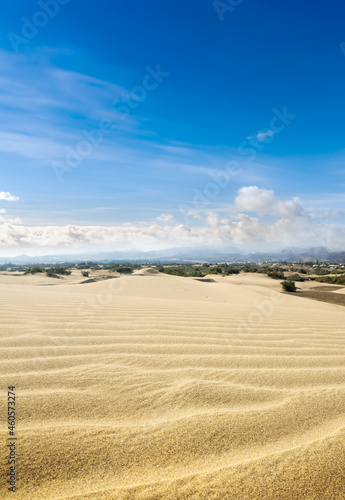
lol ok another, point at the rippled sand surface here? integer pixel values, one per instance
(159, 387)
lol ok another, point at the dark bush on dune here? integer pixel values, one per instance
(276, 274)
(34, 270)
(320, 271)
(124, 270)
(60, 270)
(53, 272)
(227, 270)
(250, 268)
(50, 274)
(288, 286)
(296, 277)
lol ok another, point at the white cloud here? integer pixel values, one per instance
(165, 218)
(254, 199)
(264, 202)
(246, 232)
(6, 196)
(292, 224)
(7, 218)
(263, 135)
(212, 220)
(193, 214)
(327, 215)
(10, 220)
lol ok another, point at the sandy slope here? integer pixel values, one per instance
(155, 386)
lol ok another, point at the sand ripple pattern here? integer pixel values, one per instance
(166, 389)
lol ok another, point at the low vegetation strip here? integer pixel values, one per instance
(335, 280)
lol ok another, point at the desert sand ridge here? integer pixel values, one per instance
(152, 386)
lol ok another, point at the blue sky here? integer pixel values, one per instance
(168, 123)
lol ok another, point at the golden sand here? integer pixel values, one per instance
(159, 387)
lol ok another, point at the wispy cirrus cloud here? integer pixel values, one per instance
(34, 84)
(45, 108)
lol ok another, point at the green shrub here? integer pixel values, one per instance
(288, 286)
(276, 274)
(124, 270)
(302, 270)
(60, 270)
(335, 280)
(231, 270)
(296, 277)
(85, 273)
(34, 270)
(250, 269)
(215, 270)
(54, 271)
(51, 274)
(320, 271)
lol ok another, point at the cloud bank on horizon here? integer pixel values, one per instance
(292, 224)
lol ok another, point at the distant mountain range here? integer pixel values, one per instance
(180, 255)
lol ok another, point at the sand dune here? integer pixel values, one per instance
(151, 386)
